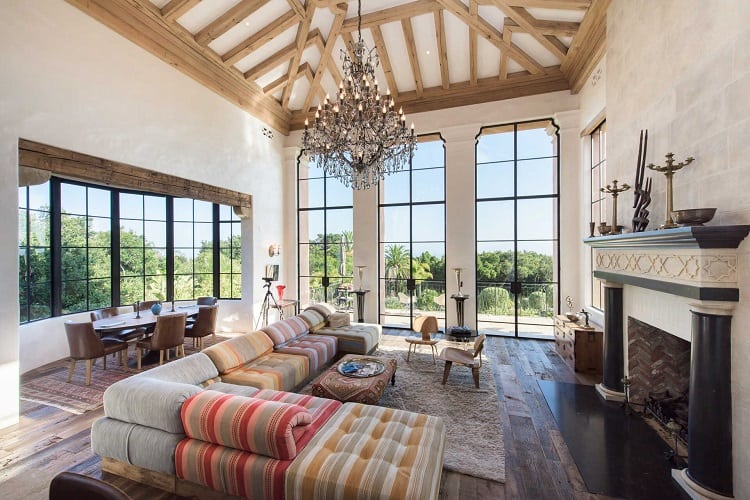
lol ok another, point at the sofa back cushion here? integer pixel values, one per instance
(285, 330)
(197, 369)
(239, 350)
(323, 308)
(314, 318)
(250, 424)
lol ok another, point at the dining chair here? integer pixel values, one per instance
(145, 305)
(85, 345)
(206, 301)
(426, 326)
(467, 358)
(126, 335)
(67, 485)
(205, 325)
(169, 332)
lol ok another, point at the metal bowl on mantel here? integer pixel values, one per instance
(693, 216)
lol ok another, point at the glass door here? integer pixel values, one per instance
(517, 218)
(412, 238)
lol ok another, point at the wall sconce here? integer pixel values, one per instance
(274, 250)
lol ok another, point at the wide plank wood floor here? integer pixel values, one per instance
(538, 464)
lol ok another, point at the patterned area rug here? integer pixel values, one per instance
(474, 439)
(76, 397)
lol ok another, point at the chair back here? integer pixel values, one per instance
(426, 325)
(68, 485)
(83, 341)
(205, 323)
(169, 331)
(107, 312)
(206, 301)
(479, 347)
(146, 305)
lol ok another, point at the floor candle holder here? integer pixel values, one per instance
(668, 170)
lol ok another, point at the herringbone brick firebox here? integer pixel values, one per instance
(657, 361)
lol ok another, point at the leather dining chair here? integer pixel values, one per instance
(145, 305)
(426, 326)
(205, 325)
(68, 485)
(206, 301)
(125, 335)
(467, 358)
(85, 345)
(169, 332)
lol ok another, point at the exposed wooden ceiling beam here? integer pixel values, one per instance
(296, 7)
(473, 12)
(588, 46)
(279, 57)
(463, 94)
(152, 32)
(176, 8)
(392, 14)
(260, 38)
(547, 4)
(526, 21)
(299, 43)
(385, 61)
(326, 55)
(503, 73)
(228, 20)
(303, 70)
(442, 49)
(411, 48)
(348, 40)
(492, 35)
(554, 28)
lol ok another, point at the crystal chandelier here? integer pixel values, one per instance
(360, 138)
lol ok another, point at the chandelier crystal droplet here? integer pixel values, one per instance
(360, 138)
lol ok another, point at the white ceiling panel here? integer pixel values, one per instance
(514, 67)
(250, 26)
(273, 75)
(492, 15)
(396, 45)
(533, 48)
(160, 3)
(329, 85)
(427, 50)
(457, 42)
(311, 55)
(299, 93)
(558, 14)
(202, 14)
(372, 6)
(488, 59)
(267, 50)
(322, 19)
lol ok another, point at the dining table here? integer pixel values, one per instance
(141, 319)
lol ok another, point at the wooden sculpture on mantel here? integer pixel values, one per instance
(641, 191)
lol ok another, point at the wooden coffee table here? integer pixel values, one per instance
(368, 390)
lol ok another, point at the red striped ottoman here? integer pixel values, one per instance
(334, 385)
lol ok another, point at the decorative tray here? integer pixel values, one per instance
(361, 368)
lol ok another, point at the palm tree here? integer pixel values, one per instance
(397, 262)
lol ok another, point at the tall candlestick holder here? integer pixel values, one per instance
(614, 191)
(360, 275)
(668, 170)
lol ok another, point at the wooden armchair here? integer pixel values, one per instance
(205, 325)
(84, 344)
(426, 325)
(467, 358)
(168, 333)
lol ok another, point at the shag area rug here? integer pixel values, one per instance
(474, 440)
(53, 389)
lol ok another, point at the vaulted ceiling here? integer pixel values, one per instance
(278, 58)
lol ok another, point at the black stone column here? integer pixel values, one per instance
(612, 364)
(710, 410)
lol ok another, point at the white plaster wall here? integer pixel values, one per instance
(459, 127)
(69, 81)
(691, 90)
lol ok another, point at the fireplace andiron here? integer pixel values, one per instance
(668, 170)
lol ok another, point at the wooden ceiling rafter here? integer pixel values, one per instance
(554, 28)
(392, 14)
(303, 70)
(442, 49)
(279, 57)
(522, 17)
(260, 38)
(503, 71)
(325, 57)
(299, 43)
(473, 12)
(549, 4)
(588, 46)
(228, 20)
(385, 61)
(411, 49)
(176, 8)
(296, 7)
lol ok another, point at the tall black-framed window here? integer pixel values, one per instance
(84, 247)
(517, 221)
(325, 237)
(412, 237)
(597, 180)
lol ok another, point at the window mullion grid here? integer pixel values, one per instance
(216, 252)
(170, 246)
(56, 248)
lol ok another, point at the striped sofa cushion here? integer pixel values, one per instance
(285, 330)
(231, 471)
(323, 308)
(314, 319)
(239, 350)
(256, 425)
(278, 371)
(357, 338)
(319, 349)
(371, 452)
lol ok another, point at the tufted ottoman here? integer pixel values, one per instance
(334, 385)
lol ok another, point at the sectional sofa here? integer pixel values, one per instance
(224, 421)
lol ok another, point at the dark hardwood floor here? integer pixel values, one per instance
(537, 462)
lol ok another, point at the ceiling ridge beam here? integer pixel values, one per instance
(279, 57)
(299, 43)
(554, 28)
(411, 49)
(152, 32)
(228, 20)
(392, 14)
(176, 8)
(385, 61)
(492, 35)
(260, 38)
(445, 78)
(588, 45)
(325, 56)
(526, 21)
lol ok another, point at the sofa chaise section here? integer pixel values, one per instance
(292, 336)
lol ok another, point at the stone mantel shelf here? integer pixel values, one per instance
(677, 238)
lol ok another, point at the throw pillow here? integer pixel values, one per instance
(337, 320)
